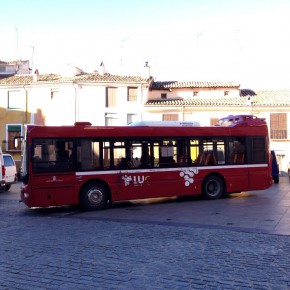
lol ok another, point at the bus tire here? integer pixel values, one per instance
(94, 196)
(212, 187)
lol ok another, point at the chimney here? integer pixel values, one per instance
(36, 75)
(102, 69)
(147, 70)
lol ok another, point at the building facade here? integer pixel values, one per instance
(102, 99)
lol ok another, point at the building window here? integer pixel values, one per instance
(163, 96)
(111, 119)
(170, 117)
(16, 100)
(12, 131)
(111, 97)
(132, 94)
(226, 93)
(195, 94)
(278, 126)
(131, 118)
(213, 121)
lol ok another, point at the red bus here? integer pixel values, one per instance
(93, 166)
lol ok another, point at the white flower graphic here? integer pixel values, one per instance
(188, 174)
(127, 179)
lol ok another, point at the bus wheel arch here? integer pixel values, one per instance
(213, 186)
(94, 194)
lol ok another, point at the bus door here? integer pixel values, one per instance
(53, 177)
(131, 162)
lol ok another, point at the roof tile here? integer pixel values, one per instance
(192, 84)
(55, 78)
(272, 98)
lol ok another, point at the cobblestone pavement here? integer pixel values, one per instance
(66, 249)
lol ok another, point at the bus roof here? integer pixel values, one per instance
(166, 123)
(242, 127)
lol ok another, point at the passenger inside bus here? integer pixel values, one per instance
(61, 153)
(123, 164)
(145, 161)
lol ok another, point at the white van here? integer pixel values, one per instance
(10, 175)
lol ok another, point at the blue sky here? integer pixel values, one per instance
(241, 40)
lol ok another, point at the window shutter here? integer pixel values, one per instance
(278, 126)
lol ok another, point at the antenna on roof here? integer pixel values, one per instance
(16, 29)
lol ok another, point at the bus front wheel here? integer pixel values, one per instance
(94, 196)
(212, 187)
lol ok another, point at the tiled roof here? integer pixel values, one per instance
(95, 77)
(27, 79)
(261, 98)
(272, 98)
(192, 84)
(49, 78)
(8, 62)
(198, 102)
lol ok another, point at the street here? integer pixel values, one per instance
(241, 241)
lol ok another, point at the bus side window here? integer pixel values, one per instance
(119, 151)
(145, 155)
(259, 150)
(84, 155)
(237, 155)
(167, 154)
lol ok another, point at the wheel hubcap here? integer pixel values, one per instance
(213, 188)
(95, 196)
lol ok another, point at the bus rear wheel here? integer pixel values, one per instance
(94, 196)
(212, 187)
